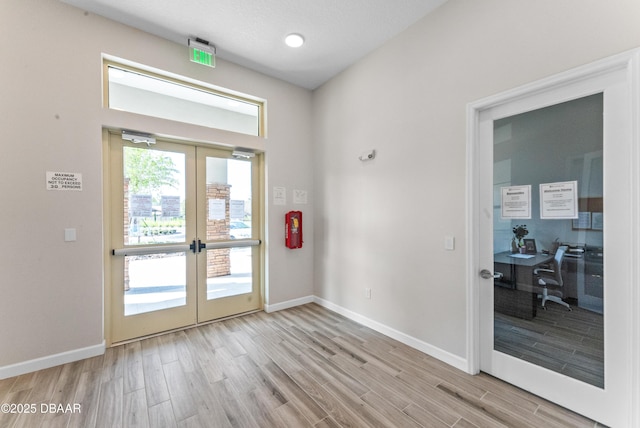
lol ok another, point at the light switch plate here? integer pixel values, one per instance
(449, 243)
(69, 235)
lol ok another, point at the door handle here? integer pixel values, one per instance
(486, 274)
(197, 247)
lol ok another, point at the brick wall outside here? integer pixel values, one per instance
(218, 261)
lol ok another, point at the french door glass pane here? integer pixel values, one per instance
(154, 189)
(228, 218)
(229, 272)
(154, 282)
(559, 146)
(228, 199)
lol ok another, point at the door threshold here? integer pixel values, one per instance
(187, 327)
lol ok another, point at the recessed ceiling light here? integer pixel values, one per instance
(294, 40)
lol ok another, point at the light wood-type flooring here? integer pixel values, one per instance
(301, 367)
(567, 342)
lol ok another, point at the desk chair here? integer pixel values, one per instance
(550, 280)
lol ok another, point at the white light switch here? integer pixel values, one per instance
(449, 243)
(69, 235)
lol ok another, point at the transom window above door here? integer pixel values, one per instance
(142, 92)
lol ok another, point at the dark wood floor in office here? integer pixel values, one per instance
(302, 367)
(568, 342)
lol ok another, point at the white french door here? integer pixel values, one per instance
(549, 133)
(184, 236)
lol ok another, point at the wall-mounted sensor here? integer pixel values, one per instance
(368, 155)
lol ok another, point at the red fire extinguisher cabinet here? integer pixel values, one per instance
(293, 229)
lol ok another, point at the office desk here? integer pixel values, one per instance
(519, 266)
(513, 294)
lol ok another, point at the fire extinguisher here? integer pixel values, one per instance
(293, 229)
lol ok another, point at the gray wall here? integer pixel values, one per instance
(52, 117)
(382, 224)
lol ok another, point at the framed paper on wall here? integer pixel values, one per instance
(583, 221)
(596, 221)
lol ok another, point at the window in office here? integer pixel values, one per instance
(136, 91)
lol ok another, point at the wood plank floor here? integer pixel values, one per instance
(302, 367)
(568, 342)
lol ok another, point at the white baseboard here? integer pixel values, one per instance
(51, 361)
(444, 356)
(289, 304)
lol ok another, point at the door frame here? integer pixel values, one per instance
(628, 63)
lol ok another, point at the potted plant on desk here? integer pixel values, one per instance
(519, 232)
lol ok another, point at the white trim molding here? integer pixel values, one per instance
(51, 361)
(288, 304)
(444, 356)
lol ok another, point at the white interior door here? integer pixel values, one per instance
(549, 133)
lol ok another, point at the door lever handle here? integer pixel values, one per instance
(486, 274)
(197, 248)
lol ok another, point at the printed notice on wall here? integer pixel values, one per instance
(559, 200)
(64, 181)
(279, 196)
(299, 196)
(516, 202)
(217, 209)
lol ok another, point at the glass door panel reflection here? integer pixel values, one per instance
(229, 270)
(236, 280)
(154, 189)
(229, 277)
(155, 282)
(558, 144)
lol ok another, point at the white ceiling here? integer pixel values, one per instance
(251, 32)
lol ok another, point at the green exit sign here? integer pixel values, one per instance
(202, 52)
(202, 57)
